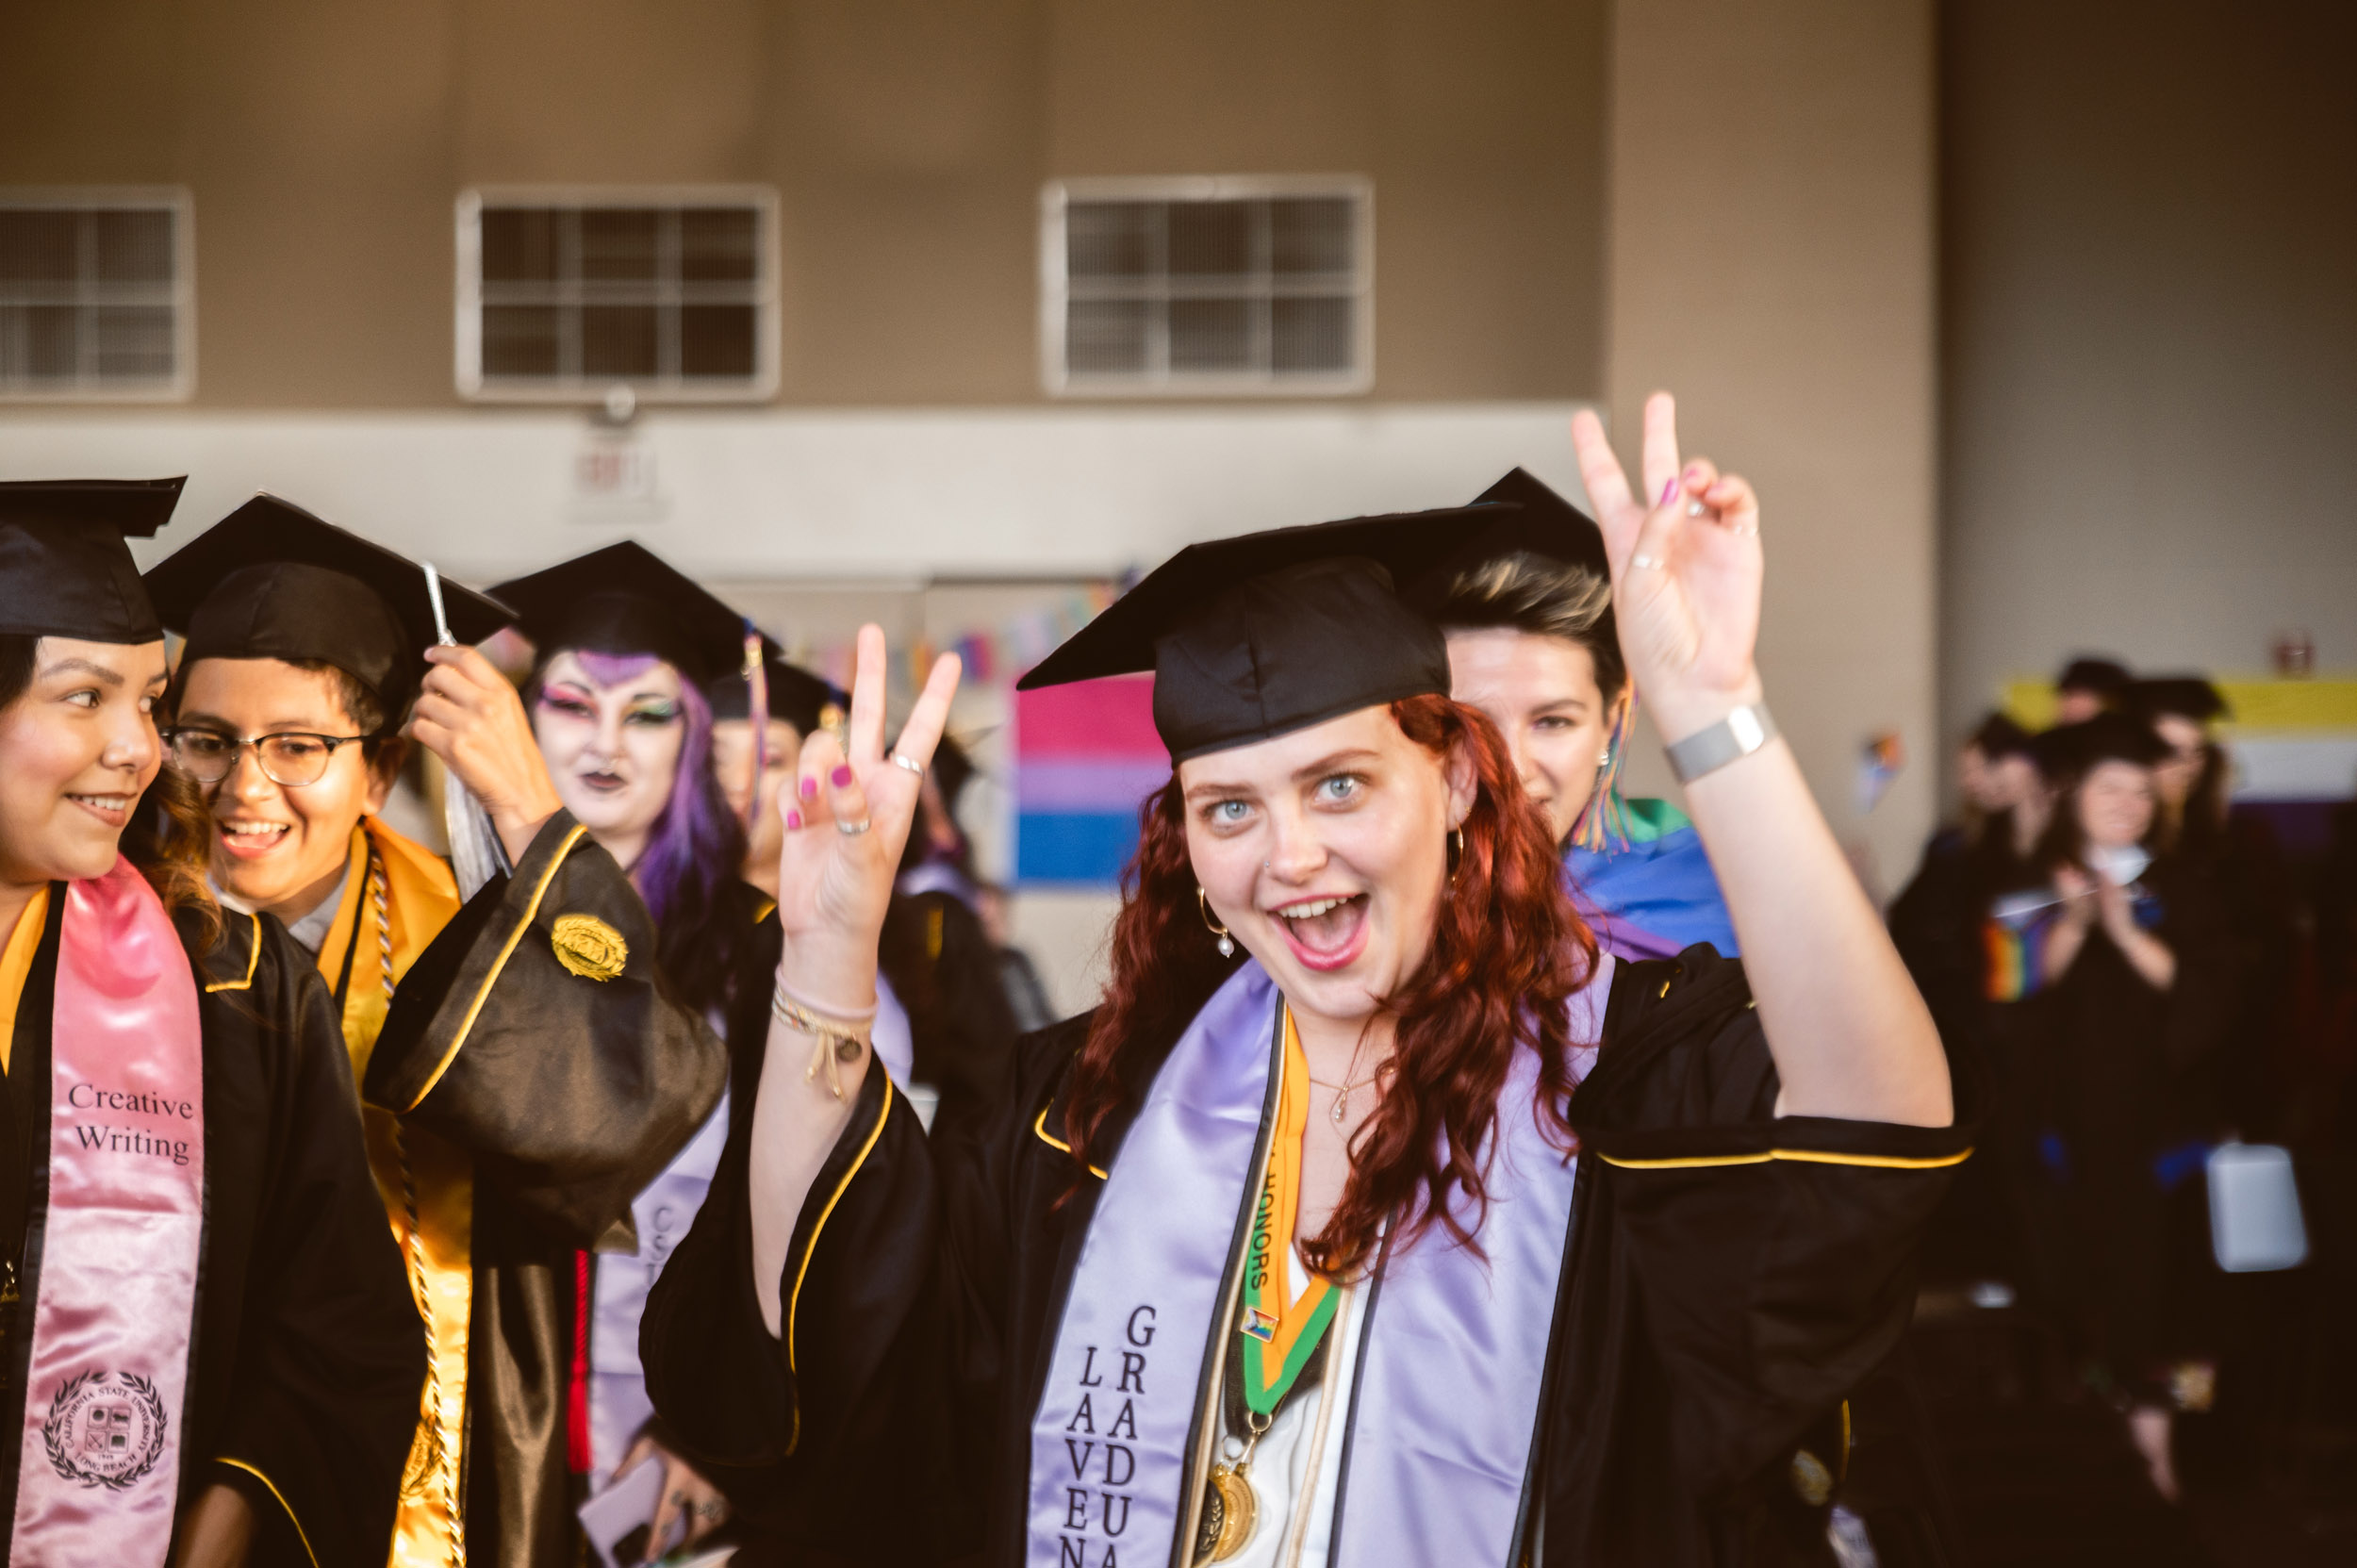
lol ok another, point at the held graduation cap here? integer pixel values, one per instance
(625, 599)
(271, 581)
(64, 569)
(1256, 636)
(795, 695)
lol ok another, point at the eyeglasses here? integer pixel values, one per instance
(290, 759)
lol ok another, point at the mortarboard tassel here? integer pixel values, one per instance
(757, 709)
(476, 854)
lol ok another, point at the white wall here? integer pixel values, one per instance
(764, 495)
(2151, 325)
(1771, 264)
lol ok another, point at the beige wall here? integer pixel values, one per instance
(1771, 264)
(2151, 327)
(908, 138)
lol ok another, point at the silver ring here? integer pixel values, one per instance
(910, 762)
(1647, 563)
(1695, 508)
(853, 830)
(1745, 529)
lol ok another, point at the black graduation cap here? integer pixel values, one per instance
(796, 695)
(2183, 696)
(271, 581)
(1542, 523)
(1998, 735)
(2070, 748)
(1265, 633)
(625, 599)
(64, 569)
(2107, 678)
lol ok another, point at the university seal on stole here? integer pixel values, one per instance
(105, 1429)
(587, 945)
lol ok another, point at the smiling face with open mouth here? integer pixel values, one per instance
(281, 848)
(612, 746)
(1325, 851)
(77, 749)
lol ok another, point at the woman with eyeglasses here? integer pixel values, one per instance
(209, 1355)
(1377, 1216)
(523, 1078)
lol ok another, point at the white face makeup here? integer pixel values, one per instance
(280, 849)
(1541, 694)
(2115, 804)
(613, 751)
(77, 749)
(732, 765)
(1324, 852)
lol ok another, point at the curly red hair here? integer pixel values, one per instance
(1509, 952)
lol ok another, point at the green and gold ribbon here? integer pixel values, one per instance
(1281, 1330)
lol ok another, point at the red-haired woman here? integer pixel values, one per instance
(1276, 1257)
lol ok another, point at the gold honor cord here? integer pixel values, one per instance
(1281, 1330)
(427, 1184)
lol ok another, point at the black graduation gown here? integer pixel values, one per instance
(2127, 1067)
(572, 1085)
(1937, 923)
(307, 1354)
(1717, 1309)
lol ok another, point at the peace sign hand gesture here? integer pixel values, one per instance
(846, 819)
(1685, 572)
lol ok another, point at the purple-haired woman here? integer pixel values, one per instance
(626, 646)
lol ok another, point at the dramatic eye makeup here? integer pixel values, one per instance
(652, 711)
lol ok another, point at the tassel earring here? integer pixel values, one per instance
(1606, 817)
(1226, 943)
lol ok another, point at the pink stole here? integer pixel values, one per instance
(98, 1473)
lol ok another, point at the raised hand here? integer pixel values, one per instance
(847, 820)
(470, 717)
(1685, 572)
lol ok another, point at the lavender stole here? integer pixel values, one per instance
(99, 1468)
(1447, 1399)
(1108, 1442)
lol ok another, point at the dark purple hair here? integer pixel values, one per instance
(696, 850)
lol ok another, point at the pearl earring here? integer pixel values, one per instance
(1227, 942)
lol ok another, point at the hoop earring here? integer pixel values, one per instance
(1203, 907)
(1457, 853)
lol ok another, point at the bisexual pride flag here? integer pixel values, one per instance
(1086, 758)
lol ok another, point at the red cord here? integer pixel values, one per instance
(577, 1386)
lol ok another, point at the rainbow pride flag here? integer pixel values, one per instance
(1086, 756)
(2013, 944)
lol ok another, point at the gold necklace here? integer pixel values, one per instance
(1342, 1091)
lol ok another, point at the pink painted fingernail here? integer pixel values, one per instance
(842, 776)
(793, 819)
(1669, 490)
(809, 788)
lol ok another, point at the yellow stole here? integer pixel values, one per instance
(397, 898)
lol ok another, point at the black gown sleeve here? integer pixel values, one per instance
(945, 973)
(865, 1432)
(321, 1401)
(538, 1034)
(1772, 1256)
